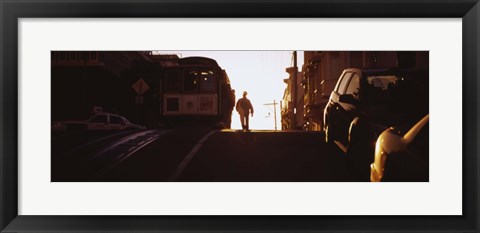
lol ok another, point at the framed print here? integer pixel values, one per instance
(123, 116)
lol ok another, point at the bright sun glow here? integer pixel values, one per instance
(260, 73)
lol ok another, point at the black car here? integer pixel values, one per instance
(364, 103)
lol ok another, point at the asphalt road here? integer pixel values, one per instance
(195, 154)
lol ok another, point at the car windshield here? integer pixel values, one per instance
(381, 82)
(99, 119)
(115, 120)
(379, 89)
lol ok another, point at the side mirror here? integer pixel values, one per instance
(349, 99)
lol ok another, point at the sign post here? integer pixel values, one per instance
(140, 87)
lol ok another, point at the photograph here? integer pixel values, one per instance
(239, 116)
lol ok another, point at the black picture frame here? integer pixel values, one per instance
(12, 10)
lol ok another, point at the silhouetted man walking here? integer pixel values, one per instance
(244, 108)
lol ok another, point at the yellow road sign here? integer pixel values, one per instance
(140, 87)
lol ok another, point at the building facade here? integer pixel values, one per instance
(82, 81)
(292, 108)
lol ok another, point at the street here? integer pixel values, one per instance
(195, 154)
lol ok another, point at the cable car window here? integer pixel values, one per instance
(207, 81)
(190, 81)
(172, 81)
(172, 104)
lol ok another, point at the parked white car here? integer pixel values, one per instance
(101, 121)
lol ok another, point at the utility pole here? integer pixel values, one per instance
(294, 90)
(281, 117)
(274, 111)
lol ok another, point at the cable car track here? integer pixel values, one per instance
(95, 142)
(122, 149)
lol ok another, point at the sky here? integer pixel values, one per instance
(260, 73)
